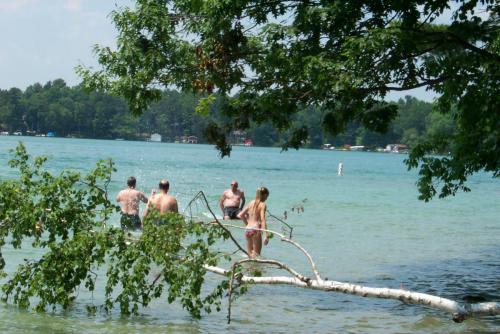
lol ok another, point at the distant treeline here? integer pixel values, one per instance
(71, 111)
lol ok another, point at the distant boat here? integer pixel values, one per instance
(17, 133)
(119, 139)
(4, 133)
(51, 134)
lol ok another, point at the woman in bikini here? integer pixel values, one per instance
(254, 217)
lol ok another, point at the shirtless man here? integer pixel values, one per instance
(162, 201)
(232, 201)
(129, 199)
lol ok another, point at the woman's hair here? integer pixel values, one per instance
(260, 196)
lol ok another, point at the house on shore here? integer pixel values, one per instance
(396, 148)
(187, 139)
(156, 137)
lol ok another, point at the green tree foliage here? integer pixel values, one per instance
(342, 57)
(70, 111)
(65, 217)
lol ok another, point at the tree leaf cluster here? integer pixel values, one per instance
(268, 60)
(66, 217)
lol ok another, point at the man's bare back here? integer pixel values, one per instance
(129, 199)
(164, 203)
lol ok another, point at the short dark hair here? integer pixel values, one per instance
(164, 185)
(131, 181)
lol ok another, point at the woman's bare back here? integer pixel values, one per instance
(255, 215)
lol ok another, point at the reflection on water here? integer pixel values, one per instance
(365, 227)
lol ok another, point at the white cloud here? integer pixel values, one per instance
(15, 5)
(73, 5)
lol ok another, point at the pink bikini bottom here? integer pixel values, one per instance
(250, 232)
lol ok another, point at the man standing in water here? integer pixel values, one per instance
(162, 201)
(129, 199)
(232, 201)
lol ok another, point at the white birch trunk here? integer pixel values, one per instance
(459, 311)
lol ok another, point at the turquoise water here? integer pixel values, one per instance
(365, 227)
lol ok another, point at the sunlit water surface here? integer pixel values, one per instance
(366, 227)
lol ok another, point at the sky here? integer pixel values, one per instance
(43, 40)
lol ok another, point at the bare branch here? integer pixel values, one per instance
(285, 239)
(202, 196)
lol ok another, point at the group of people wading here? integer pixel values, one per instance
(232, 204)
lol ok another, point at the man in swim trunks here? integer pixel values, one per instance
(162, 201)
(232, 201)
(129, 199)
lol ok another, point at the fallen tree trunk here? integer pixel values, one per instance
(459, 311)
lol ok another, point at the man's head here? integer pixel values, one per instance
(131, 182)
(164, 185)
(234, 185)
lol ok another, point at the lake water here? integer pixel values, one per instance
(365, 227)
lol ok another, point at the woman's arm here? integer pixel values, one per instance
(243, 215)
(263, 224)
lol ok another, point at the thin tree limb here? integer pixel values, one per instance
(285, 239)
(202, 196)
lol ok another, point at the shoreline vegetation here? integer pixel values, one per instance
(345, 148)
(56, 110)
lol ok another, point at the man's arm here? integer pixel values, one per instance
(242, 200)
(118, 197)
(149, 202)
(221, 201)
(175, 207)
(146, 211)
(143, 197)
